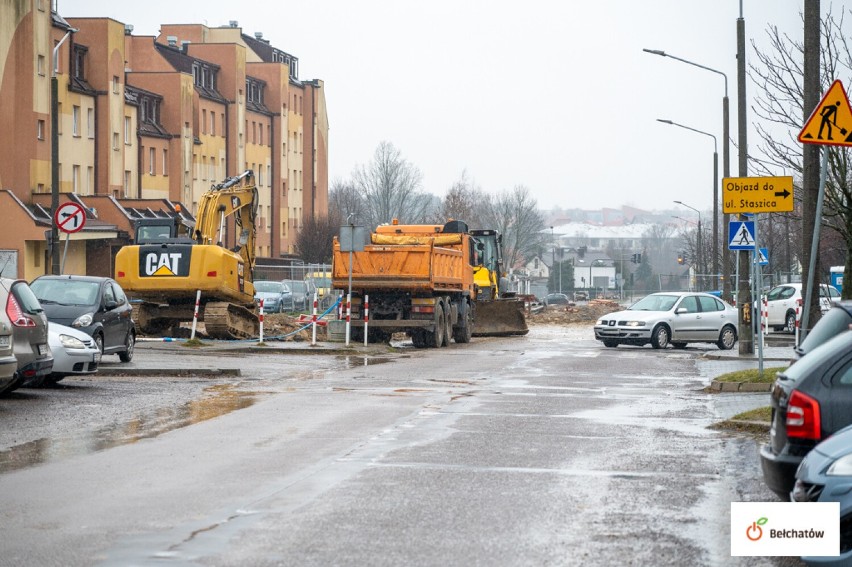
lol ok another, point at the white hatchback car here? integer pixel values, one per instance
(782, 301)
(672, 317)
(74, 352)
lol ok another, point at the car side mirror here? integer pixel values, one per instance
(110, 304)
(680, 310)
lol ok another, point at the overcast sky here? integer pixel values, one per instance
(554, 95)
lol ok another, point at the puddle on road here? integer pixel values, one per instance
(356, 361)
(219, 400)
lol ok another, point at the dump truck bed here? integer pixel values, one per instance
(404, 263)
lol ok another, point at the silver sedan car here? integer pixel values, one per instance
(74, 352)
(675, 318)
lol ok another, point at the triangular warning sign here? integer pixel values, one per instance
(742, 237)
(831, 121)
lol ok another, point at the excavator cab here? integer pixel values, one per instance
(498, 311)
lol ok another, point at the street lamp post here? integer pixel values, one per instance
(715, 251)
(553, 252)
(726, 169)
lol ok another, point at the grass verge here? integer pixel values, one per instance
(752, 375)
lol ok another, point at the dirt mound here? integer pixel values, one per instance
(282, 327)
(579, 313)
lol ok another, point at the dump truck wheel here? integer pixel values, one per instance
(462, 334)
(448, 324)
(436, 338)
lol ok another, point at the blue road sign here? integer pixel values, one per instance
(763, 256)
(741, 235)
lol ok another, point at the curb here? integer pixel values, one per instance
(751, 387)
(116, 371)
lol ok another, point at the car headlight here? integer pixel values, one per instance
(841, 467)
(83, 320)
(71, 342)
(635, 324)
(600, 322)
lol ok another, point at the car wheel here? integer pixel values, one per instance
(660, 337)
(679, 345)
(99, 342)
(727, 338)
(610, 344)
(129, 345)
(790, 322)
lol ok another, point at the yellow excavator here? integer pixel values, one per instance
(499, 312)
(170, 261)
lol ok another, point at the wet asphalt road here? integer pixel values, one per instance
(538, 450)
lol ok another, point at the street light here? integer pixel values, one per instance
(726, 172)
(699, 252)
(715, 251)
(553, 252)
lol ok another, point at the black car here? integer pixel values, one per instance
(832, 323)
(95, 305)
(810, 400)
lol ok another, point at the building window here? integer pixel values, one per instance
(261, 134)
(79, 62)
(40, 129)
(127, 130)
(203, 121)
(165, 162)
(90, 172)
(115, 141)
(194, 166)
(204, 168)
(212, 123)
(126, 183)
(90, 122)
(40, 188)
(41, 65)
(75, 179)
(75, 121)
(115, 84)
(269, 175)
(152, 160)
(259, 175)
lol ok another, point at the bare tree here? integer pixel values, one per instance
(344, 200)
(314, 241)
(516, 216)
(391, 187)
(464, 202)
(780, 74)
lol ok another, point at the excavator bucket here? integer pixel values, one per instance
(500, 318)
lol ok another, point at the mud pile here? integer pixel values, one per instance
(579, 313)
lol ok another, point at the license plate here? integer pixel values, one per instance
(42, 350)
(4, 341)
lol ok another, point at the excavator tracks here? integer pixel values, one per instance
(224, 320)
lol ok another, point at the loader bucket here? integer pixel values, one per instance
(500, 318)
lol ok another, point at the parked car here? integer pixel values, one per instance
(29, 327)
(303, 293)
(825, 476)
(833, 322)
(276, 296)
(8, 362)
(556, 299)
(95, 305)
(74, 352)
(675, 318)
(810, 400)
(782, 301)
(581, 295)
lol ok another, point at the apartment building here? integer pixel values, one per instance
(146, 125)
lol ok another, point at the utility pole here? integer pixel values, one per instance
(744, 301)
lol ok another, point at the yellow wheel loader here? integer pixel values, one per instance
(499, 312)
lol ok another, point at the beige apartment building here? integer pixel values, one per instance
(145, 126)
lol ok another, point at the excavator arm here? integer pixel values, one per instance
(236, 196)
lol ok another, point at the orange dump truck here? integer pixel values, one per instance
(417, 279)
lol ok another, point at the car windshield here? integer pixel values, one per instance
(268, 287)
(65, 291)
(299, 287)
(655, 303)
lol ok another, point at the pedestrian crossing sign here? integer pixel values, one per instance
(831, 121)
(763, 256)
(741, 235)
